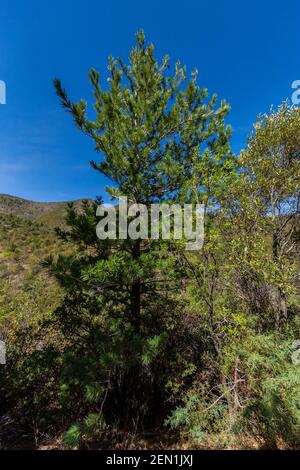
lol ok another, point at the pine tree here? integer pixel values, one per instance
(158, 137)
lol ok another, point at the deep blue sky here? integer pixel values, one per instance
(246, 51)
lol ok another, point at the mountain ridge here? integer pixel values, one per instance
(49, 213)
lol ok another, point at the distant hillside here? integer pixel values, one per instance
(27, 238)
(50, 213)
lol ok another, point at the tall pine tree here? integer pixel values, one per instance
(159, 139)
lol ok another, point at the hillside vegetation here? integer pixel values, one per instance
(27, 239)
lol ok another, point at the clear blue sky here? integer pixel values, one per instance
(246, 51)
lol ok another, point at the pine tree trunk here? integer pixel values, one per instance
(136, 293)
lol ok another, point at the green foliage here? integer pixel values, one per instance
(197, 418)
(269, 393)
(89, 428)
(72, 436)
(261, 400)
